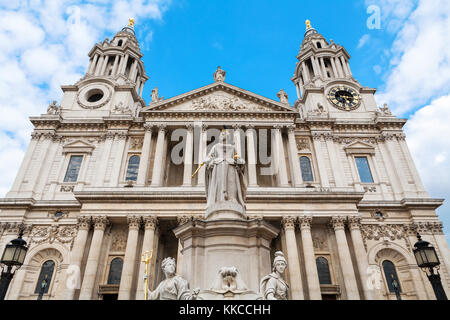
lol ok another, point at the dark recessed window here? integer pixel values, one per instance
(133, 167)
(391, 275)
(364, 170)
(95, 97)
(378, 214)
(115, 271)
(319, 45)
(305, 167)
(73, 169)
(59, 214)
(323, 269)
(120, 43)
(45, 277)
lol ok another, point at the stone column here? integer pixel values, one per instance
(237, 139)
(145, 156)
(339, 67)
(124, 64)
(294, 159)
(293, 261)
(73, 279)
(43, 179)
(133, 71)
(121, 139)
(282, 169)
(344, 66)
(142, 88)
(336, 163)
(317, 141)
(305, 72)
(202, 154)
(345, 259)
(126, 280)
(312, 275)
(102, 165)
(159, 154)
(188, 156)
(251, 154)
(315, 67)
(99, 65)
(333, 66)
(150, 223)
(93, 64)
(115, 66)
(105, 64)
(41, 160)
(361, 255)
(90, 272)
(324, 69)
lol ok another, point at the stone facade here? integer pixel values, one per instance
(306, 193)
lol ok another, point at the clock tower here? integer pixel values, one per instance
(325, 83)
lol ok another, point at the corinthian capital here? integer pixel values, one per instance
(150, 222)
(184, 219)
(148, 127)
(134, 222)
(354, 223)
(338, 222)
(84, 222)
(100, 222)
(305, 222)
(288, 222)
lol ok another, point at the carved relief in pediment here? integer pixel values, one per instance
(223, 102)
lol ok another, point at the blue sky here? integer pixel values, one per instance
(44, 44)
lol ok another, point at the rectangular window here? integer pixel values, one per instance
(364, 170)
(73, 169)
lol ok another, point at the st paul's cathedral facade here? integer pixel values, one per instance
(224, 181)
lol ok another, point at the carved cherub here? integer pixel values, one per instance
(53, 108)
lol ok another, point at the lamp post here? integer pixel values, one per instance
(12, 259)
(428, 261)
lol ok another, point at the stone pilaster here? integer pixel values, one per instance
(312, 275)
(292, 256)
(293, 158)
(159, 154)
(90, 273)
(126, 280)
(251, 154)
(279, 156)
(144, 163)
(188, 155)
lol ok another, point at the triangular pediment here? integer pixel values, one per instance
(359, 147)
(219, 97)
(78, 146)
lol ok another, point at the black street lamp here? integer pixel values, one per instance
(428, 261)
(12, 258)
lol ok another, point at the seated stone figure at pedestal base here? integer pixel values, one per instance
(173, 287)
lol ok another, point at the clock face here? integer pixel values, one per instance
(344, 98)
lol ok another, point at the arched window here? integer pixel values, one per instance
(115, 271)
(133, 167)
(45, 277)
(324, 270)
(391, 275)
(305, 166)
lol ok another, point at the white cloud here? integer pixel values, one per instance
(420, 58)
(43, 45)
(364, 39)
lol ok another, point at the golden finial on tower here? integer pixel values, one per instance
(131, 23)
(308, 24)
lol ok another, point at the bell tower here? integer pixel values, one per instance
(114, 80)
(324, 80)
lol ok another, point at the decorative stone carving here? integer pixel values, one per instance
(50, 234)
(319, 243)
(219, 75)
(184, 219)
(119, 241)
(319, 112)
(219, 102)
(283, 96)
(54, 108)
(303, 144)
(426, 228)
(377, 232)
(150, 222)
(173, 287)
(66, 188)
(148, 127)
(385, 111)
(354, 223)
(136, 144)
(121, 109)
(84, 222)
(273, 286)
(370, 189)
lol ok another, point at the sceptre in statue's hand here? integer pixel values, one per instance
(146, 258)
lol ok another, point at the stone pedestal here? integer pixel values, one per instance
(210, 245)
